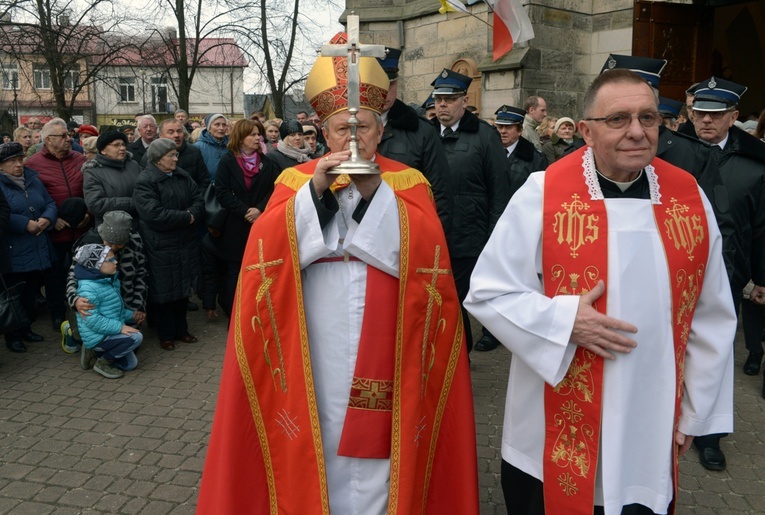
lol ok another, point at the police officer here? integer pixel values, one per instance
(409, 139)
(522, 160)
(741, 160)
(479, 178)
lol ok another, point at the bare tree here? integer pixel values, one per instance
(69, 43)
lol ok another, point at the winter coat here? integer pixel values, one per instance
(22, 251)
(555, 148)
(5, 214)
(165, 204)
(742, 166)
(479, 183)
(108, 186)
(212, 150)
(131, 264)
(524, 161)
(234, 197)
(411, 140)
(137, 150)
(283, 161)
(191, 161)
(109, 314)
(63, 179)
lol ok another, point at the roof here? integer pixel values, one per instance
(213, 52)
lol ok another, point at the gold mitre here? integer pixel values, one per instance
(327, 85)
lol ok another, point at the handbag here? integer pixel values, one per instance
(13, 316)
(215, 213)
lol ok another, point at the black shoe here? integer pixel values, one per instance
(33, 337)
(752, 364)
(17, 346)
(486, 343)
(190, 306)
(56, 323)
(712, 458)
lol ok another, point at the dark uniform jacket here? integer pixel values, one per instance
(524, 161)
(413, 141)
(742, 165)
(479, 184)
(165, 204)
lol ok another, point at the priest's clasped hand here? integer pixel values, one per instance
(322, 181)
(597, 332)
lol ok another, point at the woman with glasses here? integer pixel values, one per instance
(25, 247)
(109, 179)
(170, 207)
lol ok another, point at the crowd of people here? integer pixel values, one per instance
(544, 228)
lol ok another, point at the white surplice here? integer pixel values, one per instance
(334, 295)
(508, 298)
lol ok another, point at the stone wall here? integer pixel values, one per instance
(572, 41)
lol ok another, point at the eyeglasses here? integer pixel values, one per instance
(648, 119)
(174, 155)
(715, 115)
(446, 99)
(63, 136)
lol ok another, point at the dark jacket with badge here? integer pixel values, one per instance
(411, 140)
(165, 204)
(524, 161)
(479, 184)
(742, 166)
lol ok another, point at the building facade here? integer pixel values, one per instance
(572, 41)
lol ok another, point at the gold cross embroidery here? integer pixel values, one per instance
(373, 395)
(264, 291)
(434, 297)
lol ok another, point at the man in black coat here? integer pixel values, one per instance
(411, 140)
(147, 132)
(523, 159)
(189, 157)
(741, 160)
(478, 182)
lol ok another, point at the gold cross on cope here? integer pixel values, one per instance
(434, 297)
(352, 51)
(264, 291)
(374, 395)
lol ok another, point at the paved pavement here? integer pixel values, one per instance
(74, 442)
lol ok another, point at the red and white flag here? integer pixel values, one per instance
(511, 25)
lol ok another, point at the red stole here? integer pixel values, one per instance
(574, 259)
(265, 453)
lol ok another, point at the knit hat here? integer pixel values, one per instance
(158, 148)
(91, 255)
(87, 130)
(561, 121)
(290, 127)
(109, 137)
(116, 227)
(89, 144)
(210, 119)
(10, 150)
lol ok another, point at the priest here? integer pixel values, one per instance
(605, 279)
(346, 384)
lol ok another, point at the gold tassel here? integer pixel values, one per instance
(292, 178)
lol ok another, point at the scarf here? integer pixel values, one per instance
(18, 181)
(301, 155)
(250, 165)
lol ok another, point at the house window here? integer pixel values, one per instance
(158, 95)
(72, 79)
(127, 89)
(10, 76)
(42, 78)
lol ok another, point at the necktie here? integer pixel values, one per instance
(446, 132)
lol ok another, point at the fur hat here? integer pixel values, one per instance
(91, 255)
(109, 137)
(158, 148)
(290, 127)
(116, 227)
